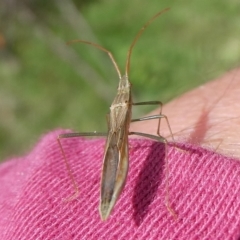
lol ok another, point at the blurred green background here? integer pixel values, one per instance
(46, 84)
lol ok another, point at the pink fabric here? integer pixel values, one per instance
(205, 192)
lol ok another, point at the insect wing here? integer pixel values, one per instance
(114, 172)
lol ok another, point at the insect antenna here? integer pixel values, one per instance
(137, 37)
(101, 48)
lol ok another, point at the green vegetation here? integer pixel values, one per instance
(46, 84)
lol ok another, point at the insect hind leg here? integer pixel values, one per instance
(161, 139)
(72, 135)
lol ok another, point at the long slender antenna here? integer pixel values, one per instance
(137, 37)
(103, 49)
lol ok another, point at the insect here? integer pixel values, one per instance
(115, 160)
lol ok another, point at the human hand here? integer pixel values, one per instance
(203, 185)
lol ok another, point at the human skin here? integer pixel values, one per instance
(207, 116)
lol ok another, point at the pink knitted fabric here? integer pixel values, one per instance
(205, 193)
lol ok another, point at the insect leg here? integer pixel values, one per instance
(161, 139)
(72, 135)
(159, 116)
